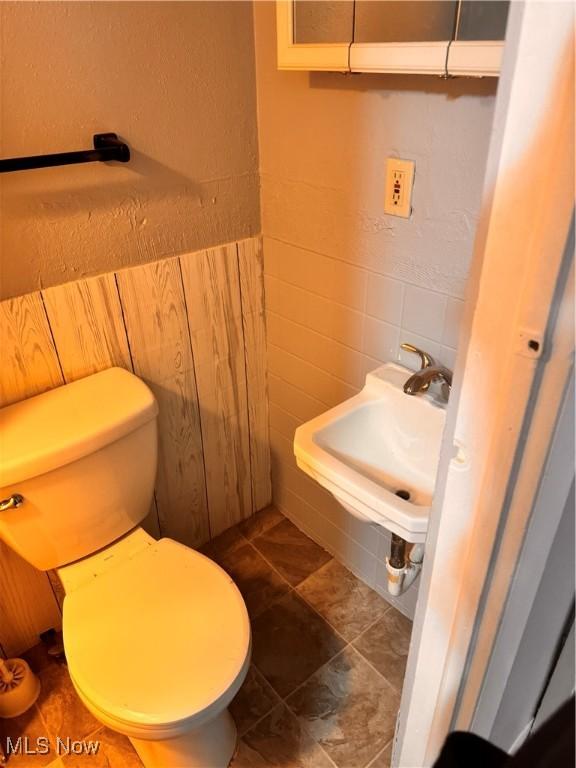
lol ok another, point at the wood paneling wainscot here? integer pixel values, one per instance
(193, 328)
(29, 366)
(87, 325)
(251, 261)
(29, 361)
(86, 322)
(155, 316)
(212, 288)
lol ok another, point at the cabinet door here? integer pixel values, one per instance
(482, 19)
(402, 35)
(323, 21)
(305, 35)
(479, 37)
(404, 21)
(434, 37)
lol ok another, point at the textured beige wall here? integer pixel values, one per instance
(176, 81)
(345, 283)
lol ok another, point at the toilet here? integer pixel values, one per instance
(157, 636)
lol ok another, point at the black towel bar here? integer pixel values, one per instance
(107, 146)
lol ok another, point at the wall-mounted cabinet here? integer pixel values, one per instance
(433, 37)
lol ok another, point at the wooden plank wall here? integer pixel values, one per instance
(29, 366)
(212, 288)
(193, 328)
(251, 262)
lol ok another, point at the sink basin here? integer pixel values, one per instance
(378, 452)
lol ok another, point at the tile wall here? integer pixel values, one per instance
(345, 283)
(328, 324)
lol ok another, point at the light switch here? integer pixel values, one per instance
(399, 182)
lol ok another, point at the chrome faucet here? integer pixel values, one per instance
(430, 371)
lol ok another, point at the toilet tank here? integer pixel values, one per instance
(83, 457)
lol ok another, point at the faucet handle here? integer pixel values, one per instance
(426, 360)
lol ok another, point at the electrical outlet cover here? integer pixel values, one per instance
(399, 183)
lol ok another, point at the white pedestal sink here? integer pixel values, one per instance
(374, 446)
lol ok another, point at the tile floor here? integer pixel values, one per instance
(327, 667)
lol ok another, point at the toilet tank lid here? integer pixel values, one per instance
(65, 424)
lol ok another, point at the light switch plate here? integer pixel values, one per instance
(399, 183)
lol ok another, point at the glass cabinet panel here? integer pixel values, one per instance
(482, 20)
(425, 37)
(323, 21)
(400, 21)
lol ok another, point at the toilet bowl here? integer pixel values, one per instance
(157, 636)
(157, 641)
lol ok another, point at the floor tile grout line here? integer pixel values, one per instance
(307, 680)
(335, 557)
(268, 711)
(295, 589)
(273, 569)
(38, 709)
(376, 670)
(279, 698)
(264, 530)
(373, 623)
(303, 724)
(320, 747)
(376, 756)
(272, 566)
(240, 533)
(316, 611)
(349, 644)
(54, 736)
(292, 588)
(311, 735)
(260, 719)
(95, 732)
(327, 519)
(282, 701)
(317, 571)
(369, 626)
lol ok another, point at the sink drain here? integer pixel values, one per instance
(403, 494)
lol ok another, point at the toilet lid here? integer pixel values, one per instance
(159, 638)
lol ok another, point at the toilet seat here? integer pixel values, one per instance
(158, 643)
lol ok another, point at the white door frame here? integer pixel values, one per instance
(508, 674)
(515, 356)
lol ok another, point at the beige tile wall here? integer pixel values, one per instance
(344, 283)
(328, 324)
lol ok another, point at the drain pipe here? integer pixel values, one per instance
(401, 572)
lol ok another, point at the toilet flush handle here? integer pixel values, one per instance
(12, 502)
